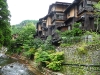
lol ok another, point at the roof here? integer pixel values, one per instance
(72, 5)
(58, 3)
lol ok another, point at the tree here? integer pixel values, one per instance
(25, 37)
(5, 33)
(28, 21)
(97, 13)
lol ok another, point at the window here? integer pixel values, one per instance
(59, 16)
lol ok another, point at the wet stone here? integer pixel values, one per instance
(2, 55)
(15, 69)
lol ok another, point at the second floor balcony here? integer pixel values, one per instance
(58, 17)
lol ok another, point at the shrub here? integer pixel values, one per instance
(55, 65)
(30, 52)
(56, 61)
(82, 49)
(41, 56)
(37, 43)
(48, 45)
(65, 45)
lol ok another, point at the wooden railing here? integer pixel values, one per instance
(85, 9)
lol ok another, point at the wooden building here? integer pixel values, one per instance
(61, 16)
(52, 21)
(81, 11)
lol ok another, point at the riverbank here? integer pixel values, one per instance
(28, 63)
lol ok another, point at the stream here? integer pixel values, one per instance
(9, 66)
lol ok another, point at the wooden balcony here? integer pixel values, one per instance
(59, 17)
(89, 9)
(60, 25)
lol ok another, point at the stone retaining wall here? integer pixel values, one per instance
(78, 63)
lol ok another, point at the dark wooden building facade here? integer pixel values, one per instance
(81, 11)
(61, 16)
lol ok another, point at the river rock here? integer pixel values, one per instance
(15, 69)
(2, 55)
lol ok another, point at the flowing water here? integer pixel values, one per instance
(9, 66)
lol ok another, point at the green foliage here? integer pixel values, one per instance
(55, 65)
(16, 29)
(48, 44)
(56, 56)
(95, 37)
(71, 36)
(7, 36)
(37, 43)
(97, 14)
(1, 38)
(41, 56)
(76, 31)
(24, 43)
(5, 33)
(56, 59)
(25, 22)
(52, 60)
(30, 52)
(67, 33)
(82, 49)
(65, 44)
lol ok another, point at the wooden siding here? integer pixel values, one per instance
(39, 27)
(48, 21)
(60, 8)
(70, 13)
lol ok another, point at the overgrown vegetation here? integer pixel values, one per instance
(97, 16)
(23, 38)
(5, 32)
(52, 61)
(71, 36)
(43, 52)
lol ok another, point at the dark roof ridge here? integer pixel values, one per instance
(71, 5)
(58, 3)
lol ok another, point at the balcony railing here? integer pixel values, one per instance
(60, 24)
(58, 17)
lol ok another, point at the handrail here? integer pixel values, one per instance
(86, 65)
